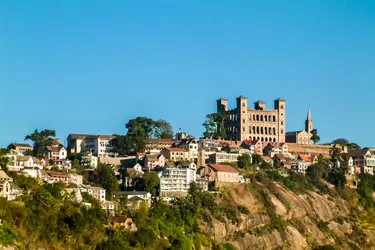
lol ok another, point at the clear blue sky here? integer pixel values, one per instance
(89, 66)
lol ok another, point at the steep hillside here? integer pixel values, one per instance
(278, 218)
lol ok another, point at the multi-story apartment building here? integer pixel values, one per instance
(221, 157)
(244, 123)
(99, 145)
(176, 181)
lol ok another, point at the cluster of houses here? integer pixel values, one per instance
(209, 162)
(178, 162)
(54, 156)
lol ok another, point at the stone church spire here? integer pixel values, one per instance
(308, 122)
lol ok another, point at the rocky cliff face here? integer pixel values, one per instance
(309, 220)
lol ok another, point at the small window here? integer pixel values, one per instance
(282, 107)
(243, 104)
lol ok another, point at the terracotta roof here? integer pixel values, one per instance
(223, 168)
(140, 153)
(266, 158)
(177, 149)
(250, 142)
(305, 158)
(55, 142)
(160, 141)
(54, 149)
(83, 136)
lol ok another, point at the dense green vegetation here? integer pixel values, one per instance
(139, 130)
(45, 217)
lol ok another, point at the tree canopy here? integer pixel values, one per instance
(105, 177)
(315, 136)
(345, 142)
(4, 159)
(139, 130)
(41, 140)
(214, 126)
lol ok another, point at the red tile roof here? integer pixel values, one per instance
(250, 142)
(177, 149)
(54, 149)
(160, 141)
(233, 144)
(83, 136)
(305, 158)
(223, 168)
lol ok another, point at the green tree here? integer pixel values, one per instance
(104, 176)
(139, 130)
(41, 140)
(345, 142)
(226, 148)
(244, 161)
(163, 129)
(277, 162)
(4, 159)
(215, 125)
(337, 177)
(149, 182)
(257, 159)
(121, 145)
(316, 172)
(335, 153)
(315, 136)
(140, 127)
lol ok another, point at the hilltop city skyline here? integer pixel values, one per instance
(93, 66)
